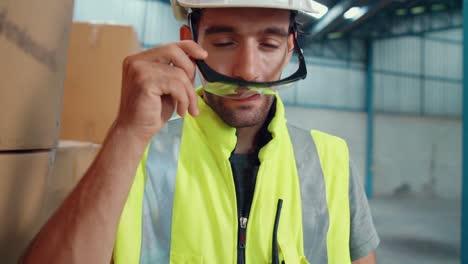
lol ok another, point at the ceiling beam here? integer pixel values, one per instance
(373, 8)
(330, 19)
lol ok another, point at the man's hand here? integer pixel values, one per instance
(154, 83)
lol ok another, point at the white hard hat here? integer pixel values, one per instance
(179, 7)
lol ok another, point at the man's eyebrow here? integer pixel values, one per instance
(228, 29)
(218, 29)
(275, 31)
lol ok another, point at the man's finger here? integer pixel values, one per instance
(158, 54)
(189, 89)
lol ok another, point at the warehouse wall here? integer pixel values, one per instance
(336, 76)
(419, 74)
(329, 84)
(422, 152)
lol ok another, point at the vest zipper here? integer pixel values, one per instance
(275, 253)
(242, 239)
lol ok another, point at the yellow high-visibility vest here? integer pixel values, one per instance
(182, 205)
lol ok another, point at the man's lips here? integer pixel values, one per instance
(246, 98)
(244, 95)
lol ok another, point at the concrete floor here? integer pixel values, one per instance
(416, 230)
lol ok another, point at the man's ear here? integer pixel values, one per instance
(185, 33)
(291, 41)
(290, 46)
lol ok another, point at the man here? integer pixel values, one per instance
(229, 183)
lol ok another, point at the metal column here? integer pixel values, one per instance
(370, 118)
(464, 213)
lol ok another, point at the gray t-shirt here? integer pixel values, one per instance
(363, 236)
(244, 170)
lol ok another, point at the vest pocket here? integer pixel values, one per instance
(177, 258)
(289, 255)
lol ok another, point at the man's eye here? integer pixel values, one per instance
(269, 45)
(223, 44)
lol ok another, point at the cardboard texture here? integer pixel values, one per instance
(72, 160)
(33, 48)
(23, 184)
(93, 79)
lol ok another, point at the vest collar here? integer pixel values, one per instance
(220, 137)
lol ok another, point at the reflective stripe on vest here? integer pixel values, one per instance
(334, 159)
(205, 230)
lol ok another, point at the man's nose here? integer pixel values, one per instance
(246, 66)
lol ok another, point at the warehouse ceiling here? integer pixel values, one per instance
(372, 18)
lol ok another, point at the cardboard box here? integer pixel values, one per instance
(72, 160)
(93, 79)
(33, 48)
(23, 184)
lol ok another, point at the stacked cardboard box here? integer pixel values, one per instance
(23, 180)
(72, 160)
(93, 79)
(33, 45)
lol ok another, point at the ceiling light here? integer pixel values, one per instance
(418, 10)
(438, 7)
(355, 12)
(401, 12)
(335, 35)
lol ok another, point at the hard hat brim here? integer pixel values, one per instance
(298, 5)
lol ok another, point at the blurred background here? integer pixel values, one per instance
(386, 75)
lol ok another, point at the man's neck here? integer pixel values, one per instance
(247, 139)
(250, 139)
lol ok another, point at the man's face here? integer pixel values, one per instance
(251, 44)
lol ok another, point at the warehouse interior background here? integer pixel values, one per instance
(385, 75)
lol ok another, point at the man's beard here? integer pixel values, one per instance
(240, 116)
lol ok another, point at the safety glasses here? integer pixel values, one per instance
(222, 85)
